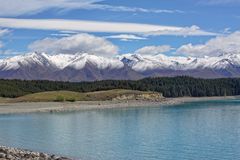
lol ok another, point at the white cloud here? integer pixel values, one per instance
(153, 50)
(23, 7)
(130, 9)
(98, 26)
(80, 43)
(126, 37)
(61, 34)
(182, 31)
(69, 32)
(227, 31)
(64, 33)
(214, 47)
(3, 32)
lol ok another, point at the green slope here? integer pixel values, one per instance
(77, 96)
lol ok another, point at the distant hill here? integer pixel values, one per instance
(86, 67)
(169, 87)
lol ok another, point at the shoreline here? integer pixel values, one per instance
(16, 153)
(52, 107)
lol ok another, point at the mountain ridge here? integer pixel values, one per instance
(89, 67)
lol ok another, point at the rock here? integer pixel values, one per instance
(9, 156)
(2, 155)
(7, 153)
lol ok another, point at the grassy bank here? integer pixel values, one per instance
(61, 96)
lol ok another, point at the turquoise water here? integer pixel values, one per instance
(193, 131)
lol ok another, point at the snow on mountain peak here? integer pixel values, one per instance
(160, 61)
(62, 60)
(28, 59)
(100, 62)
(137, 62)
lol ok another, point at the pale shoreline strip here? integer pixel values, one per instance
(35, 107)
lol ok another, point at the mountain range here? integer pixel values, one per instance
(87, 67)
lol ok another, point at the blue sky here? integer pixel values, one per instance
(184, 25)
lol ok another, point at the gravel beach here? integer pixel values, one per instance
(30, 107)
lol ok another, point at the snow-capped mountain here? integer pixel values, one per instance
(226, 65)
(86, 67)
(63, 67)
(143, 63)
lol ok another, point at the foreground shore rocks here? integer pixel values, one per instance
(7, 153)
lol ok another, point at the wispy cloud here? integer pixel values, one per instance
(64, 33)
(182, 31)
(69, 32)
(106, 27)
(23, 7)
(3, 32)
(126, 37)
(130, 9)
(61, 34)
(219, 2)
(26, 7)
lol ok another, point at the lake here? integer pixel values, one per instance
(191, 131)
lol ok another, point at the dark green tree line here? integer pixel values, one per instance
(170, 87)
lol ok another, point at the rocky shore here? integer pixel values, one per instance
(7, 153)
